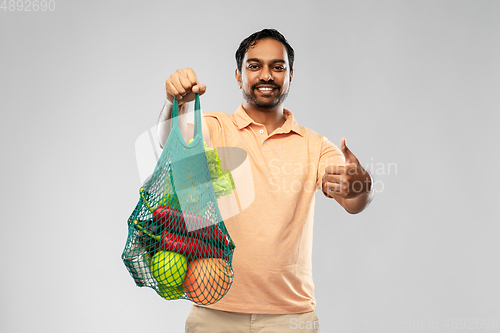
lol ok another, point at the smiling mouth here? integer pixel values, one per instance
(266, 90)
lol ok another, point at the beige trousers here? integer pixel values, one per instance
(204, 320)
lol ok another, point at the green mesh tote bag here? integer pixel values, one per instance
(177, 243)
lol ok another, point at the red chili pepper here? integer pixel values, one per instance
(190, 246)
(173, 220)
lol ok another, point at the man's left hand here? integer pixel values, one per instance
(346, 181)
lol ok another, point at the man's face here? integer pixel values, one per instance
(265, 76)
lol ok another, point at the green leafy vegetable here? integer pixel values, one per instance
(223, 185)
(222, 181)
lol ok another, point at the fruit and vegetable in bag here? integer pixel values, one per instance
(177, 243)
(182, 244)
(207, 280)
(223, 185)
(174, 220)
(170, 292)
(222, 181)
(169, 198)
(169, 268)
(190, 246)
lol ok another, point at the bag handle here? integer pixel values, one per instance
(197, 117)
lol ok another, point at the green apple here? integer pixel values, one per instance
(169, 292)
(169, 268)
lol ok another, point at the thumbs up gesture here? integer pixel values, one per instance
(346, 181)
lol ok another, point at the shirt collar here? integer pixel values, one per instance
(242, 120)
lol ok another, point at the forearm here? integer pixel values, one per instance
(164, 123)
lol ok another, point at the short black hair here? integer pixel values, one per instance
(252, 40)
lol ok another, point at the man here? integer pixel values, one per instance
(273, 289)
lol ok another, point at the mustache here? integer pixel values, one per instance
(275, 85)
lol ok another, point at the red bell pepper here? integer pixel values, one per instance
(190, 246)
(173, 220)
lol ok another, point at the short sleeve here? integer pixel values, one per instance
(211, 128)
(330, 154)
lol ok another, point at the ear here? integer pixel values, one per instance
(237, 75)
(291, 76)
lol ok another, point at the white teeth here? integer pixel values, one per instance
(266, 89)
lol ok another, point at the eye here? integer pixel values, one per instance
(279, 67)
(252, 66)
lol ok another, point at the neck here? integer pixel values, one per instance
(270, 118)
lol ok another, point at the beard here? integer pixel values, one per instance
(267, 102)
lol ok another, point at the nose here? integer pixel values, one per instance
(265, 74)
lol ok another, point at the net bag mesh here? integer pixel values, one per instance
(177, 243)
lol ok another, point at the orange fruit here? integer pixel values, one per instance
(207, 280)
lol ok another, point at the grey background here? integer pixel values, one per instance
(413, 85)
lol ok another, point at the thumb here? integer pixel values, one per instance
(199, 88)
(349, 156)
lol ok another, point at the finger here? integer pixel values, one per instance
(336, 169)
(334, 189)
(333, 178)
(200, 89)
(342, 144)
(349, 156)
(191, 76)
(179, 86)
(168, 88)
(172, 90)
(186, 83)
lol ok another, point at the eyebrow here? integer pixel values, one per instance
(272, 61)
